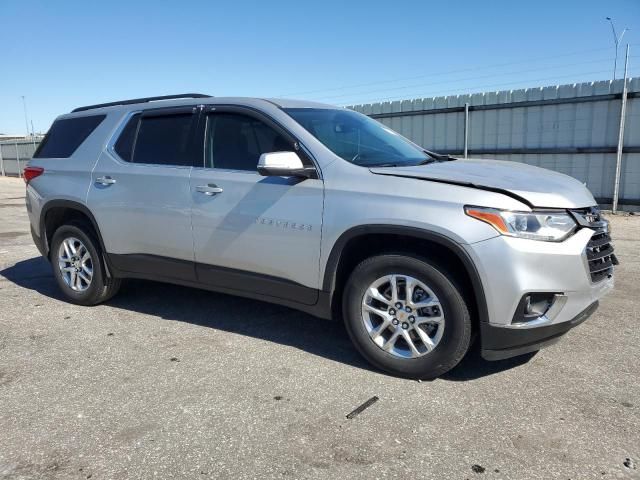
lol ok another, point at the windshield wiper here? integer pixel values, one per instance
(376, 165)
(442, 157)
(427, 161)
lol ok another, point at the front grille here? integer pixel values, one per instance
(600, 256)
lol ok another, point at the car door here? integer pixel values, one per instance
(253, 233)
(140, 194)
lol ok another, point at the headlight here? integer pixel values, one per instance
(546, 226)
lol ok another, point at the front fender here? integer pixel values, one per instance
(333, 261)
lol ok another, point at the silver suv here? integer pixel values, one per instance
(324, 210)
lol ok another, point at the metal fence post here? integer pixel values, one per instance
(466, 130)
(33, 137)
(1, 161)
(616, 186)
(18, 160)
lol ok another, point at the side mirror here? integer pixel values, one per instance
(283, 164)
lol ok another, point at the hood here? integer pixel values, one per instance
(535, 186)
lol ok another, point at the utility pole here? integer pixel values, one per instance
(616, 41)
(26, 122)
(623, 109)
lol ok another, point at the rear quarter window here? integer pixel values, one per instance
(66, 135)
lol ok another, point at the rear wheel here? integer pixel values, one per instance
(78, 267)
(406, 316)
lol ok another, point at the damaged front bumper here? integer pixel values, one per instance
(499, 343)
(515, 271)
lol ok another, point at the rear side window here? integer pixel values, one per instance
(66, 135)
(124, 145)
(164, 140)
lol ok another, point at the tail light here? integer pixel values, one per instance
(32, 172)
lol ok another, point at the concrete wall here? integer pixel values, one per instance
(569, 128)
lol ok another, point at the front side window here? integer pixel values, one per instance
(235, 141)
(357, 138)
(164, 140)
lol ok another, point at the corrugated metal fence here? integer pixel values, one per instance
(15, 154)
(569, 128)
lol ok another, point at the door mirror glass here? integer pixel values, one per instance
(283, 164)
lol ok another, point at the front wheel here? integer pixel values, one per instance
(406, 316)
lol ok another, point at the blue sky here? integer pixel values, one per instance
(62, 54)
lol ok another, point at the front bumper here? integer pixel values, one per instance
(499, 343)
(511, 268)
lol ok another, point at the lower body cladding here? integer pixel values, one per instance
(535, 291)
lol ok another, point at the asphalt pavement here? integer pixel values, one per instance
(169, 382)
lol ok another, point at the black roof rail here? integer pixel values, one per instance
(140, 100)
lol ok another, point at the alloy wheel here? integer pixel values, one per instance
(75, 264)
(403, 316)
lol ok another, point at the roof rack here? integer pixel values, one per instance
(140, 100)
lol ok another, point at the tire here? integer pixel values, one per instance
(445, 316)
(100, 288)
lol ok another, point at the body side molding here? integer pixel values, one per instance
(220, 279)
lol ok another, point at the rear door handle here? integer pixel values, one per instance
(211, 189)
(107, 180)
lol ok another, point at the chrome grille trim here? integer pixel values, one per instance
(599, 250)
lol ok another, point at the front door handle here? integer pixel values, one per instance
(107, 180)
(211, 189)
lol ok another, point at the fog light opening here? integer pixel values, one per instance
(534, 306)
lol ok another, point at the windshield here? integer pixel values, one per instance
(357, 138)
